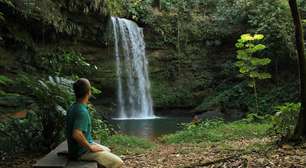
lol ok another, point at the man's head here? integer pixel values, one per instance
(82, 89)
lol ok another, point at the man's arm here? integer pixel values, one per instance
(80, 138)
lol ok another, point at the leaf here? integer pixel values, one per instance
(95, 91)
(244, 70)
(258, 36)
(258, 47)
(246, 37)
(239, 44)
(260, 61)
(242, 55)
(254, 74)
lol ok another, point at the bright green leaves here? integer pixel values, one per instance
(247, 63)
(258, 47)
(258, 37)
(248, 38)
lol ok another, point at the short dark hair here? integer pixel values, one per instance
(81, 88)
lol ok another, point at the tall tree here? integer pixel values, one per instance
(300, 129)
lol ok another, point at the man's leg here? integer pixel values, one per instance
(104, 158)
(103, 147)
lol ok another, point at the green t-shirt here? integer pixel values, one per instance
(77, 118)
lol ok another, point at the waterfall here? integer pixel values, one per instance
(133, 84)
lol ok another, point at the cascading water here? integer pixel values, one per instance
(134, 99)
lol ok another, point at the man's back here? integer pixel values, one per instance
(77, 118)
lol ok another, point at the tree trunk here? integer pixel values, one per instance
(300, 129)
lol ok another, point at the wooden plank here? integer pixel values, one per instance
(53, 160)
(82, 164)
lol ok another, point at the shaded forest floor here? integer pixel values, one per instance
(240, 153)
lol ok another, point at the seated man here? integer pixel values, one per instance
(78, 131)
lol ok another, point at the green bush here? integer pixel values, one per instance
(21, 134)
(52, 97)
(285, 119)
(43, 128)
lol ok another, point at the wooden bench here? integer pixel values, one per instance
(55, 159)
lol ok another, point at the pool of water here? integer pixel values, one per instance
(150, 128)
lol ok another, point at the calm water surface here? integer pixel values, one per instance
(151, 128)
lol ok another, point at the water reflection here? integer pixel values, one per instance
(150, 128)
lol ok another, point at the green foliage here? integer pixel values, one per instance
(53, 97)
(302, 5)
(285, 119)
(229, 13)
(122, 144)
(64, 63)
(217, 131)
(230, 97)
(187, 21)
(116, 7)
(140, 10)
(21, 134)
(273, 19)
(256, 118)
(101, 129)
(165, 95)
(43, 126)
(239, 96)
